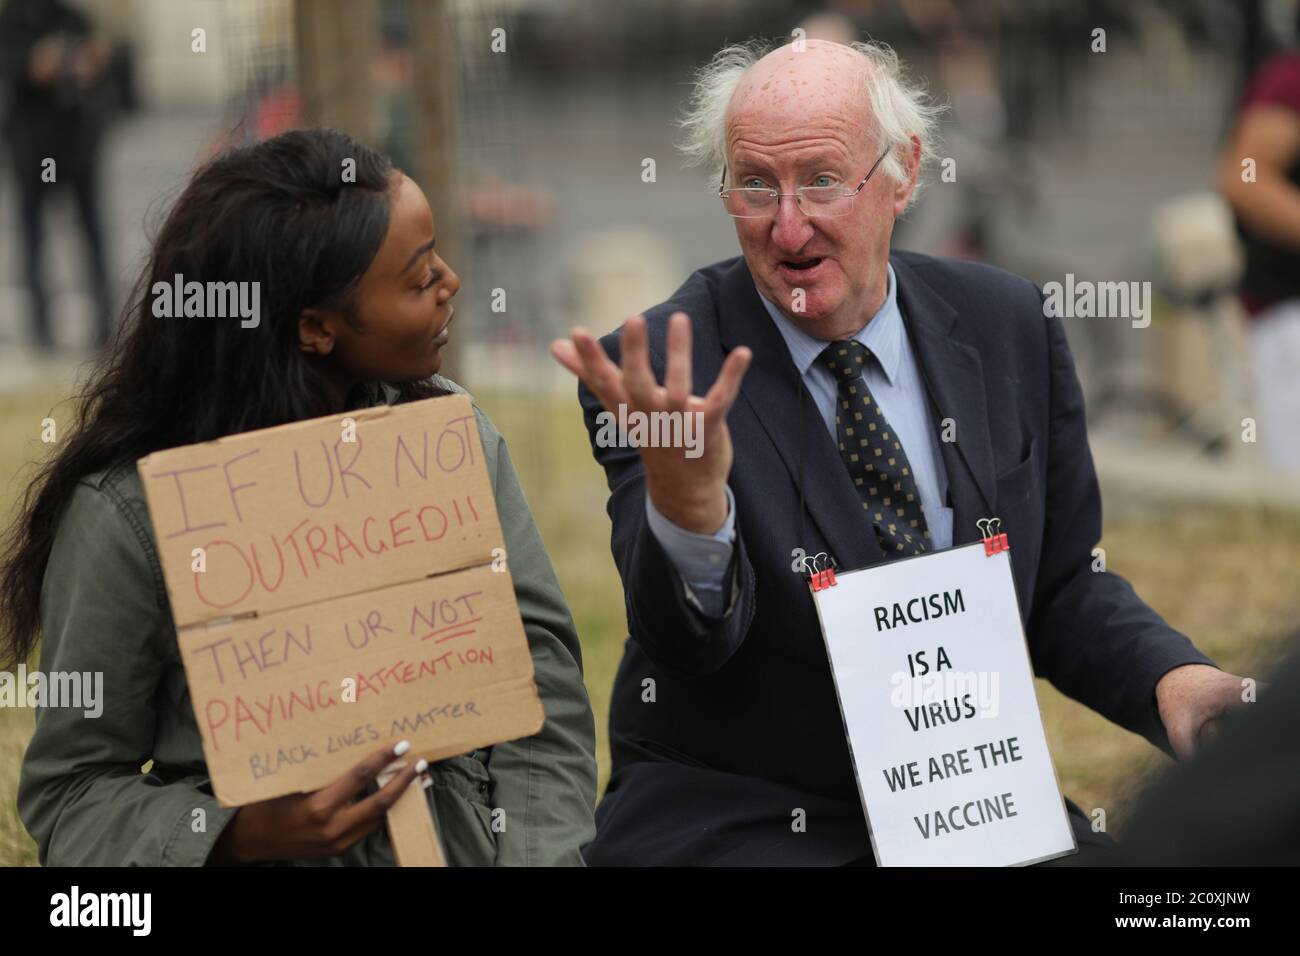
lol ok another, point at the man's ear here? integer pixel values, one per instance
(315, 332)
(912, 167)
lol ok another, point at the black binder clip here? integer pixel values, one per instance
(995, 540)
(821, 571)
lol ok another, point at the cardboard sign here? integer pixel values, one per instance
(935, 687)
(337, 585)
(290, 515)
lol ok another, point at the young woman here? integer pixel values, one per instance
(355, 306)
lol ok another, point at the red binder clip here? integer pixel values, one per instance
(995, 540)
(823, 577)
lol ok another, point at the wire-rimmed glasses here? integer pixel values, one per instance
(750, 203)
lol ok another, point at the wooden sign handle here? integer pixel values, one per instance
(411, 829)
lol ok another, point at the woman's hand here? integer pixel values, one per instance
(320, 824)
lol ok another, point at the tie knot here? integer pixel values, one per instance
(846, 360)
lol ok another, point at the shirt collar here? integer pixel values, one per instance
(883, 335)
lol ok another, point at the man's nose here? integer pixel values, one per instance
(791, 229)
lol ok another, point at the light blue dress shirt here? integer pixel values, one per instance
(897, 388)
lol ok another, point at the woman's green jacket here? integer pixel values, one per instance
(86, 800)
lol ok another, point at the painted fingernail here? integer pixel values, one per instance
(401, 748)
(426, 782)
(421, 765)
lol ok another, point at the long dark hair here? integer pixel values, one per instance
(303, 214)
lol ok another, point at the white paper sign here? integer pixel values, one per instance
(935, 687)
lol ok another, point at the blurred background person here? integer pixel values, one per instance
(53, 68)
(1260, 177)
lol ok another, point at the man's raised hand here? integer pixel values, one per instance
(690, 492)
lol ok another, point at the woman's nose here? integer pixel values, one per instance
(451, 283)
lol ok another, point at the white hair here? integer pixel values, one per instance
(899, 107)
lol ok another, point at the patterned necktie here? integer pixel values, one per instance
(874, 455)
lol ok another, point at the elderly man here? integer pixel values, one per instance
(724, 722)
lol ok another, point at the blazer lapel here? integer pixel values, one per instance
(954, 378)
(774, 393)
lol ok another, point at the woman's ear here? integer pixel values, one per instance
(315, 332)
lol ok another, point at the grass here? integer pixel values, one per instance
(21, 426)
(1226, 578)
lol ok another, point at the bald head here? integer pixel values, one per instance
(822, 85)
(859, 89)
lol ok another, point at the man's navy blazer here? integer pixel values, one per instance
(740, 729)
